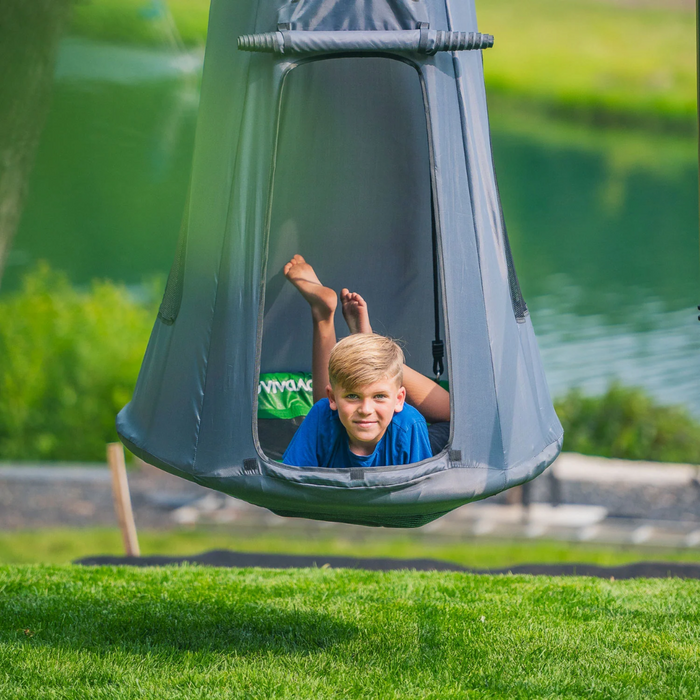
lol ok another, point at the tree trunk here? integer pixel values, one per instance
(29, 34)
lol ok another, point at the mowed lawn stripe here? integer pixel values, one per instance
(64, 545)
(324, 633)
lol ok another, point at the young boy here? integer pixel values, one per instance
(360, 386)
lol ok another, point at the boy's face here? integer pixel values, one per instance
(366, 412)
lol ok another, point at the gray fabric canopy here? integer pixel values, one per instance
(351, 157)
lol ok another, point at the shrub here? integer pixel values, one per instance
(68, 363)
(626, 423)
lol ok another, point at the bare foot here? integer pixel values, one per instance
(355, 312)
(322, 300)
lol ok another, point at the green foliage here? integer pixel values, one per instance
(68, 363)
(64, 545)
(633, 61)
(627, 424)
(190, 632)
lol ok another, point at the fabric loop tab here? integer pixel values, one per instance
(424, 29)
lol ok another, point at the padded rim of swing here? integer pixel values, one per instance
(348, 481)
(326, 477)
(385, 515)
(400, 520)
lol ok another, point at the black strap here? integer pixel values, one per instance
(438, 345)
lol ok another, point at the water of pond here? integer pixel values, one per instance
(603, 224)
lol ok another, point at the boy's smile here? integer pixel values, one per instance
(367, 411)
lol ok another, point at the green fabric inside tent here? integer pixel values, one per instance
(284, 395)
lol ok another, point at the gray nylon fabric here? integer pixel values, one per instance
(335, 158)
(352, 15)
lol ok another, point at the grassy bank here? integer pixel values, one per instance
(64, 545)
(215, 633)
(601, 60)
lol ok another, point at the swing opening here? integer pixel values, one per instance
(352, 193)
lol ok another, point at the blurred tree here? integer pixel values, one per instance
(29, 34)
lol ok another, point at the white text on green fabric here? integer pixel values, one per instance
(274, 385)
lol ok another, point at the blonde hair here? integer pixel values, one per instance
(365, 358)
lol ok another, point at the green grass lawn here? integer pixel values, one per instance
(606, 59)
(61, 546)
(68, 632)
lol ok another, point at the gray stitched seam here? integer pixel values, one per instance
(460, 97)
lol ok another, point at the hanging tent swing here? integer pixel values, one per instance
(354, 132)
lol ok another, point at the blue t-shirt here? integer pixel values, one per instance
(322, 441)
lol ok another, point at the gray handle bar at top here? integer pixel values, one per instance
(425, 41)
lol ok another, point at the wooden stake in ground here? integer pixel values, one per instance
(122, 499)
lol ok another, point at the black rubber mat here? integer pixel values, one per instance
(227, 558)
